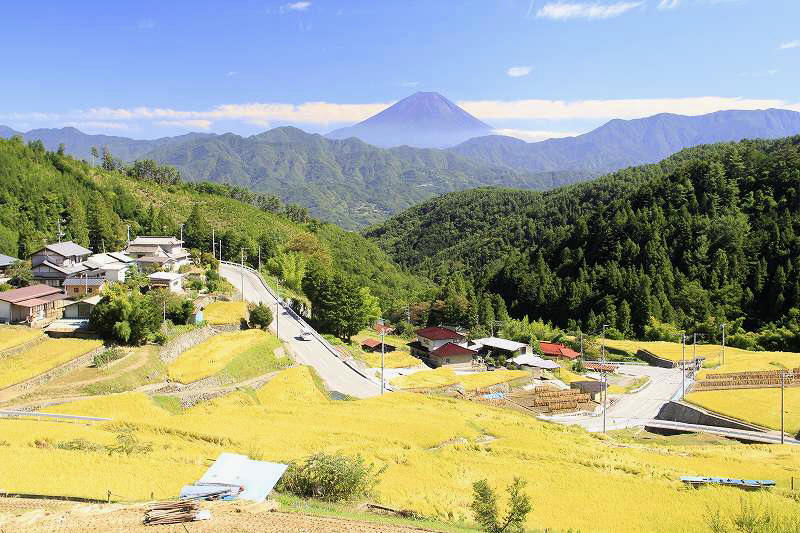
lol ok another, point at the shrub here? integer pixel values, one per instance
(80, 444)
(105, 357)
(751, 518)
(128, 444)
(260, 316)
(332, 478)
(484, 505)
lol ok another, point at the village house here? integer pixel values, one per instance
(79, 287)
(55, 263)
(441, 346)
(113, 266)
(559, 351)
(5, 262)
(374, 345)
(165, 253)
(172, 281)
(500, 346)
(36, 305)
(82, 309)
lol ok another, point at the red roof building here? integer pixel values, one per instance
(554, 349)
(32, 305)
(439, 333)
(452, 350)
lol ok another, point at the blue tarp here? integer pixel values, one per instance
(493, 396)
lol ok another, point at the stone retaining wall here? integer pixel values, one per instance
(184, 341)
(22, 347)
(58, 371)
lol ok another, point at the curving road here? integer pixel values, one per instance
(636, 409)
(336, 374)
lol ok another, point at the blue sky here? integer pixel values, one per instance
(532, 69)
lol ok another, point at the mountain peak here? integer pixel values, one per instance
(424, 119)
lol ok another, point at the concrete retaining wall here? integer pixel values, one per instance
(681, 412)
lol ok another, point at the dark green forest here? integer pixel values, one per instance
(707, 236)
(96, 204)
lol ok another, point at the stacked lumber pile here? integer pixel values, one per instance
(550, 400)
(163, 513)
(748, 380)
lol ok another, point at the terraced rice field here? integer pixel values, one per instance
(220, 313)
(11, 336)
(213, 355)
(41, 358)
(442, 377)
(758, 406)
(432, 449)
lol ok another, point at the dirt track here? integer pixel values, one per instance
(47, 515)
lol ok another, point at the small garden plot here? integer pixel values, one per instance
(214, 355)
(219, 313)
(41, 358)
(14, 336)
(442, 377)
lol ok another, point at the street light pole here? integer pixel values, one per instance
(277, 307)
(242, 272)
(182, 225)
(723, 344)
(213, 245)
(605, 399)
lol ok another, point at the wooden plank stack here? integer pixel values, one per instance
(747, 380)
(163, 513)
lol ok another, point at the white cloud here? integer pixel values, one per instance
(604, 109)
(516, 72)
(199, 124)
(789, 44)
(533, 135)
(564, 10)
(668, 4)
(296, 6)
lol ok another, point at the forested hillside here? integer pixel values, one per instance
(95, 205)
(709, 235)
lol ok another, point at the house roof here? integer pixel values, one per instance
(529, 359)
(371, 343)
(501, 344)
(121, 257)
(6, 260)
(87, 282)
(26, 293)
(587, 386)
(92, 300)
(164, 276)
(553, 349)
(154, 259)
(439, 333)
(74, 269)
(155, 241)
(451, 349)
(66, 249)
(382, 327)
(142, 248)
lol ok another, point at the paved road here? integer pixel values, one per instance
(633, 410)
(751, 436)
(336, 374)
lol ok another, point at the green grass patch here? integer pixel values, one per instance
(153, 371)
(293, 504)
(168, 403)
(255, 361)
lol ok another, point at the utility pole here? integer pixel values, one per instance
(723, 344)
(242, 272)
(259, 258)
(128, 242)
(277, 306)
(383, 332)
(182, 225)
(213, 245)
(581, 344)
(683, 366)
(60, 233)
(603, 344)
(782, 380)
(605, 399)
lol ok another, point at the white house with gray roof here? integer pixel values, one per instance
(54, 263)
(167, 253)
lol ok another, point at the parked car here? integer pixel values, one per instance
(305, 334)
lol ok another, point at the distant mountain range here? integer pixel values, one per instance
(423, 120)
(354, 184)
(623, 143)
